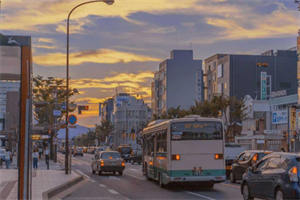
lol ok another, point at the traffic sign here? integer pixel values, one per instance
(57, 113)
(72, 119)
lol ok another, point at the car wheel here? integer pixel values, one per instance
(246, 192)
(279, 195)
(99, 173)
(121, 173)
(232, 178)
(93, 171)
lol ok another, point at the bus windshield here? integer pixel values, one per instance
(197, 131)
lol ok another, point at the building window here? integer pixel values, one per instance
(220, 70)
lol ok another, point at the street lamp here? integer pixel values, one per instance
(108, 2)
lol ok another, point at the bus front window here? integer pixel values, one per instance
(197, 131)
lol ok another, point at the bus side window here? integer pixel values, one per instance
(161, 148)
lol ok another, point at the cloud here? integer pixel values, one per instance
(90, 100)
(43, 46)
(162, 30)
(46, 40)
(107, 56)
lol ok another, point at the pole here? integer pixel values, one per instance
(67, 100)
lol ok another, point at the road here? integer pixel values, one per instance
(133, 185)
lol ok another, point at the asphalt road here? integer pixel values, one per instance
(133, 185)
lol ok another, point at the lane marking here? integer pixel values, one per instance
(201, 195)
(231, 185)
(101, 185)
(132, 169)
(140, 178)
(83, 174)
(92, 180)
(113, 191)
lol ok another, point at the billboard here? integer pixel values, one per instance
(280, 117)
(263, 85)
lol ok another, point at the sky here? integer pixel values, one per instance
(121, 45)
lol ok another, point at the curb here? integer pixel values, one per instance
(60, 188)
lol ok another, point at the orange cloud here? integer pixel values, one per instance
(107, 56)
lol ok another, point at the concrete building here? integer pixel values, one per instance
(178, 82)
(106, 110)
(254, 75)
(14, 53)
(267, 123)
(130, 116)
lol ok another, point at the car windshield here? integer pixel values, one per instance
(110, 155)
(125, 150)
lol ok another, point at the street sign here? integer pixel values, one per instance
(57, 113)
(36, 137)
(72, 119)
(263, 85)
(72, 126)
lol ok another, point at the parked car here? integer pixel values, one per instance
(78, 151)
(136, 156)
(108, 161)
(276, 176)
(245, 160)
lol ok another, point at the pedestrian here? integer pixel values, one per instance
(7, 158)
(35, 157)
(40, 152)
(47, 156)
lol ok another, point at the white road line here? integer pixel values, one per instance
(201, 195)
(113, 191)
(140, 178)
(101, 185)
(93, 181)
(132, 169)
(83, 174)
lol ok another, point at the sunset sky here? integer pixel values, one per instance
(121, 45)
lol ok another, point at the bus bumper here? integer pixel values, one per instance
(194, 179)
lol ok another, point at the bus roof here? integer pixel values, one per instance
(189, 118)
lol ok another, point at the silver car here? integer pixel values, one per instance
(108, 161)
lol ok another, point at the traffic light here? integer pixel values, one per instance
(80, 108)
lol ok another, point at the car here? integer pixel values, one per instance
(245, 160)
(276, 176)
(108, 161)
(231, 152)
(125, 151)
(136, 156)
(78, 151)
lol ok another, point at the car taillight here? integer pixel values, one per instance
(101, 163)
(218, 156)
(151, 163)
(176, 157)
(255, 157)
(123, 164)
(293, 174)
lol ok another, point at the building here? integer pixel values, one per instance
(254, 75)
(106, 110)
(267, 124)
(130, 116)
(14, 53)
(178, 82)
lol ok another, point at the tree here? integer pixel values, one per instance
(103, 130)
(48, 95)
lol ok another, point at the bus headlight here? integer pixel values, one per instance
(218, 156)
(176, 157)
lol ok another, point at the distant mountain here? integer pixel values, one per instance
(73, 132)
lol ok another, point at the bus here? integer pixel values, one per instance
(184, 150)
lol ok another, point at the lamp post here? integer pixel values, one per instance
(108, 2)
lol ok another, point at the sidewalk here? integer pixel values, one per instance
(42, 180)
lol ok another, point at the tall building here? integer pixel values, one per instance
(107, 108)
(254, 75)
(178, 82)
(130, 115)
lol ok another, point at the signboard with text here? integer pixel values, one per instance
(263, 85)
(280, 117)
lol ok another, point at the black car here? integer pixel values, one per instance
(245, 160)
(276, 176)
(136, 156)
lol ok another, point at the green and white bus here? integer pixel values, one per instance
(184, 150)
